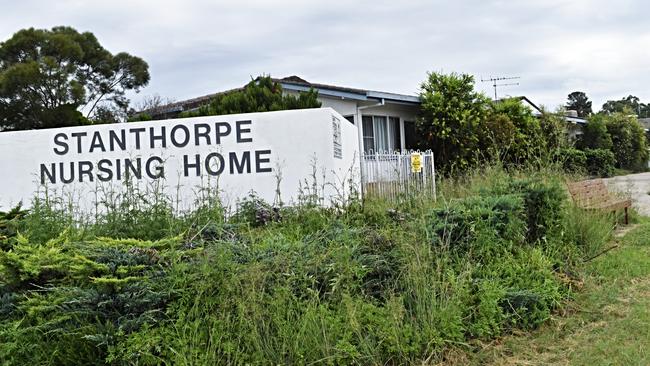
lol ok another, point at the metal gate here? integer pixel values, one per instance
(392, 175)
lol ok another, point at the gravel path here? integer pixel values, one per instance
(635, 186)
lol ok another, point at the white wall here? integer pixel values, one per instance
(343, 106)
(407, 113)
(290, 140)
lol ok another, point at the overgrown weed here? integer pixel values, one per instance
(383, 282)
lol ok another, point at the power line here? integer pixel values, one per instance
(495, 83)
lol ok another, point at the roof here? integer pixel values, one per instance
(567, 117)
(523, 98)
(295, 83)
(193, 103)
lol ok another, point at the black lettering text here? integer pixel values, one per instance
(259, 160)
(51, 173)
(78, 135)
(63, 144)
(62, 177)
(85, 168)
(222, 132)
(114, 140)
(137, 132)
(187, 165)
(209, 165)
(241, 130)
(96, 143)
(186, 136)
(155, 172)
(104, 166)
(153, 137)
(198, 134)
(136, 169)
(240, 164)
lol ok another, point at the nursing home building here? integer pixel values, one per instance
(385, 121)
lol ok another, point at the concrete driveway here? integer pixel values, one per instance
(635, 186)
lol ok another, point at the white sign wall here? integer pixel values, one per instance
(236, 153)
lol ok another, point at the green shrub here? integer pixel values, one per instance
(595, 134)
(253, 211)
(458, 225)
(573, 160)
(600, 162)
(554, 130)
(363, 284)
(533, 289)
(9, 224)
(46, 219)
(629, 143)
(260, 95)
(133, 213)
(143, 116)
(487, 313)
(543, 205)
(76, 300)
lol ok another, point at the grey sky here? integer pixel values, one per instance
(197, 47)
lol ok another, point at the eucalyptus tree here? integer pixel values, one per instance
(61, 77)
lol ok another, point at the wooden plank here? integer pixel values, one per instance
(594, 195)
(612, 205)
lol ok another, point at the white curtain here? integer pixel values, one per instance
(380, 128)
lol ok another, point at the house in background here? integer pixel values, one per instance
(574, 123)
(385, 121)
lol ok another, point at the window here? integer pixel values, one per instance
(395, 133)
(381, 134)
(409, 135)
(368, 135)
(350, 118)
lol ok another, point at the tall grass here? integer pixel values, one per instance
(373, 283)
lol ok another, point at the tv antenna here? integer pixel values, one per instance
(495, 83)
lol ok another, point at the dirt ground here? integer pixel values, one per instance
(635, 186)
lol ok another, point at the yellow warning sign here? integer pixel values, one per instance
(416, 162)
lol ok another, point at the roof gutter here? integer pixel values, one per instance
(383, 102)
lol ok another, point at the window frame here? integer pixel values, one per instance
(393, 126)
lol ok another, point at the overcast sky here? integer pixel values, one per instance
(197, 47)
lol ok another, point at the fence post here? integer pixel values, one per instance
(433, 175)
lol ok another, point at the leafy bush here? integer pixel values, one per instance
(9, 223)
(599, 162)
(543, 205)
(595, 134)
(628, 141)
(253, 211)
(595, 162)
(450, 108)
(458, 225)
(573, 160)
(259, 95)
(589, 230)
(527, 141)
(362, 284)
(554, 131)
(512, 284)
(77, 300)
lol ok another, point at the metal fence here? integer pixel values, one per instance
(390, 175)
